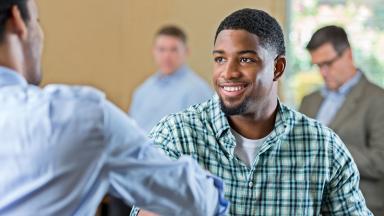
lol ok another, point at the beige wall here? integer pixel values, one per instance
(107, 44)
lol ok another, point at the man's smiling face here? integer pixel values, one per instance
(243, 72)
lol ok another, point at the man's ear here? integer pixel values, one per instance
(16, 23)
(280, 64)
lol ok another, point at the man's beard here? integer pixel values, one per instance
(237, 110)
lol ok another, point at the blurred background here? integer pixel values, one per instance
(108, 44)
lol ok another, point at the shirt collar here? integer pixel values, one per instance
(10, 77)
(220, 121)
(346, 87)
(223, 134)
(174, 76)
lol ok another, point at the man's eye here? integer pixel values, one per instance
(246, 60)
(219, 60)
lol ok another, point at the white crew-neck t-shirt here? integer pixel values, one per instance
(247, 149)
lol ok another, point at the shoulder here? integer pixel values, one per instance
(312, 96)
(309, 104)
(194, 118)
(315, 135)
(59, 101)
(194, 80)
(78, 104)
(74, 93)
(184, 131)
(309, 127)
(147, 84)
(310, 134)
(373, 100)
(371, 97)
(373, 90)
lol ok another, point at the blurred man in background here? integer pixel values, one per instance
(63, 148)
(174, 87)
(352, 106)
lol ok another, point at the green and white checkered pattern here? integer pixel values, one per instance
(303, 168)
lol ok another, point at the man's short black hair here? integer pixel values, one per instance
(5, 11)
(329, 34)
(256, 22)
(174, 31)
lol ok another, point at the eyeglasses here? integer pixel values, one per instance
(329, 63)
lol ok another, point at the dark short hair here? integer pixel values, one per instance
(5, 11)
(329, 34)
(174, 31)
(257, 22)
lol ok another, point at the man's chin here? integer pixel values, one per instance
(231, 100)
(168, 70)
(332, 87)
(232, 108)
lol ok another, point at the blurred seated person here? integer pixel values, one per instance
(173, 87)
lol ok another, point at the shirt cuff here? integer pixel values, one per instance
(223, 207)
(134, 211)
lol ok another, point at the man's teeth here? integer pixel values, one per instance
(232, 89)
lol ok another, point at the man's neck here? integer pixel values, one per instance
(173, 72)
(254, 126)
(8, 58)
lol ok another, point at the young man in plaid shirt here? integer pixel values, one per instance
(274, 160)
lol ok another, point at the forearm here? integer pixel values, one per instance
(169, 187)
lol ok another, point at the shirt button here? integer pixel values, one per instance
(250, 184)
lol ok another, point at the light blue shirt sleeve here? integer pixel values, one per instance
(64, 148)
(144, 176)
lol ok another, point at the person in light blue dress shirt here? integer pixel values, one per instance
(63, 148)
(174, 87)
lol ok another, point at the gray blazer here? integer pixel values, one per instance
(360, 124)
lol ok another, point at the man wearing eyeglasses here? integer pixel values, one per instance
(352, 106)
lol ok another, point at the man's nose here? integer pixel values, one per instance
(231, 71)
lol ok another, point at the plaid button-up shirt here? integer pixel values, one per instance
(303, 168)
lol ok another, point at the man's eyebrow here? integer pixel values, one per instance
(218, 52)
(240, 52)
(248, 51)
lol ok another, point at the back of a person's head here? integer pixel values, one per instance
(5, 12)
(257, 22)
(173, 31)
(332, 34)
